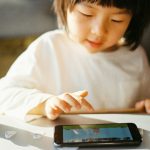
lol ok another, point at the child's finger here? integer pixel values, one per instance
(86, 104)
(83, 93)
(140, 105)
(63, 105)
(72, 101)
(53, 113)
(83, 102)
(147, 105)
(56, 102)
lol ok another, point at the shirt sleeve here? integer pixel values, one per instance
(21, 89)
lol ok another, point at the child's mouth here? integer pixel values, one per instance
(94, 44)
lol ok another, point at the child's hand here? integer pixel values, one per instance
(57, 105)
(143, 105)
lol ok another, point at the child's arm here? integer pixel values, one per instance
(56, 105)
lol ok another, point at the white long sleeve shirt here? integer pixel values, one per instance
(54, 64)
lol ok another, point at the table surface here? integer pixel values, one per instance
(38, 134)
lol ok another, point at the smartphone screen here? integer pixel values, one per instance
(95, 133)
(99, 134)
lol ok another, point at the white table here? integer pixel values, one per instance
(25, 132)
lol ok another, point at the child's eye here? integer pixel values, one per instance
(86, 15)
(116, 21)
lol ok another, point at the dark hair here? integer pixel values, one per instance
(139, 9)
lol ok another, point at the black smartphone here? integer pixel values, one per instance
(91, 135)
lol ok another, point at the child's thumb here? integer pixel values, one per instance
(81, 93)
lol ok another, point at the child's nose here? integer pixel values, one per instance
(99, 28)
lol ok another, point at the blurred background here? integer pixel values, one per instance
(21, 21)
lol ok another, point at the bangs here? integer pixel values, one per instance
(131, 5)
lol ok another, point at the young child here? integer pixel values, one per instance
(93, 62)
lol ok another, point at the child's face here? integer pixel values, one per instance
(95, 27)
